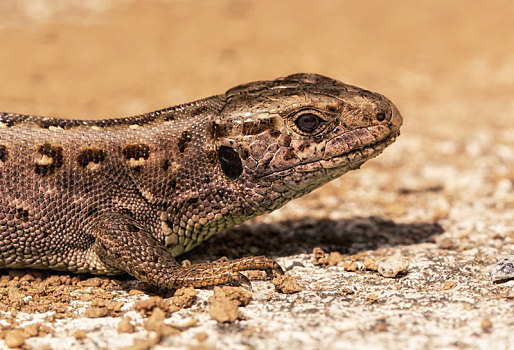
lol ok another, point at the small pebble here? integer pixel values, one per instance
(95, 312)
(80, 334)
(391, 266)
(201, 336)
(503, 270)
(319, 257)
(346, 291)
(286, 284)
(351, 266)
(224, 310)
(371, 298)
(334, 258)
(486, 325)
(445, 243)
(449, 285)
(184, 297)
(371, 264)
(125, 325)
(14, 339)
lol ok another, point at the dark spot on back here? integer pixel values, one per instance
(192, 200)
(22, 214)
(184, 140)
(165, 164)
(4, 153)
(136, 151)
(172, 184)
(90, 155)
(53, 152)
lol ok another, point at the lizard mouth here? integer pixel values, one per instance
(348, 161)
(354, 158)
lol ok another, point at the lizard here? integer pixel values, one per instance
(129, 195)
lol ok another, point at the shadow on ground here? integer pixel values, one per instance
(289, 237)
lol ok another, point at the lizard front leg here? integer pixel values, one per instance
(122, 243)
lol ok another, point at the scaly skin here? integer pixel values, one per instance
(131, 194)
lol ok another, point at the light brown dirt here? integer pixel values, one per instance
(441, 197)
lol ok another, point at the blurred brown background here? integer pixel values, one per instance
(446, 64)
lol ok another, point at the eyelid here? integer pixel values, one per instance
(308, 110)
(295, 114)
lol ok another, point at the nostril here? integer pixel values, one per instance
(381, 117)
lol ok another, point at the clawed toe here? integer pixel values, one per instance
(243, 281)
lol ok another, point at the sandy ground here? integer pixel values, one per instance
(441, 197)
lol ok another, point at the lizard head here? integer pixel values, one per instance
(262, 144)
(278, 140)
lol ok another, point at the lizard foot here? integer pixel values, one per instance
(225, 272)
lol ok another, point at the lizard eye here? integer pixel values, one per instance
(308, 122)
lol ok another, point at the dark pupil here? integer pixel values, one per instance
(307, 122)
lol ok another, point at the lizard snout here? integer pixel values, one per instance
(396, 119)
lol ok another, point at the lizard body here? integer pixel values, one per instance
(128, 195)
